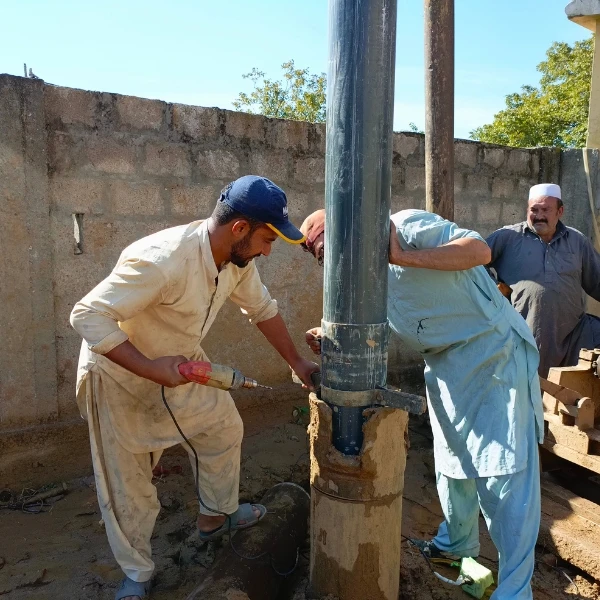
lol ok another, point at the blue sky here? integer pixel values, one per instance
(195, 52)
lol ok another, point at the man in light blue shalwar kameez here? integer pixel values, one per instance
(483, 391)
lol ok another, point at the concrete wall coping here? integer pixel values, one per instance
(584, 13)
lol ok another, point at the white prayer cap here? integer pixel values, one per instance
(545, 189)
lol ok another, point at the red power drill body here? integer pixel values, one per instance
(217, 376)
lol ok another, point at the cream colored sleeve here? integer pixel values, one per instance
(129, 289)
(253, 297)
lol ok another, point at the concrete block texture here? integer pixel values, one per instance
(194, 201)
(488, 214)
(274, 164)
(464, 214)
(133, 166)
(550, 159)
(414, 178)
(136, 198)
(196, 122)
(406, 144)
(167, 159)
(218, 164)
(519, 162)
(573, 183)
(310, 169)
(302, 203)
(535, 162)
(513, 212)
(503, 188)
(139, 113)
(106, 154)
(68, 106)
(398, 174)
(316, 138)
(28, 385)
(64, 158)
(406, 201)
(77, 194)
(477, 185)
(291, 135)
(465, 153)
(494, 157)
(522, 190)
(242, 126)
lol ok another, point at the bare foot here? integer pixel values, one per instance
(208, 523)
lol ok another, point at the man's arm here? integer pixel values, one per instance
(256, 302)
(163, 370)
(129, 289)
(495, 241)
(590, 270)
(457, 255)
(276, 332)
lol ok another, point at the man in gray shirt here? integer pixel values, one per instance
(548, 266)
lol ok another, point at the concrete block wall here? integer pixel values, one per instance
(491, 183)
(131, 167)
(28, 374)
(128, 167)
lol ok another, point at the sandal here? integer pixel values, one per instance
(141, 589)
(243, 513)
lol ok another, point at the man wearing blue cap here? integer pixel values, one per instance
(138, 325)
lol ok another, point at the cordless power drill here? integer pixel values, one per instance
(217, 376)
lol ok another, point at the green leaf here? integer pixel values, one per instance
(299, 96)
(553, 114)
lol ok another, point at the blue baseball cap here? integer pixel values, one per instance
(259, 198)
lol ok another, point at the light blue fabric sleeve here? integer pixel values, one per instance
(420, 230)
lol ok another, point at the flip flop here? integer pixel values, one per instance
(133, 588)
(243, 513)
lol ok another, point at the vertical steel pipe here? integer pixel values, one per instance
(360, 101)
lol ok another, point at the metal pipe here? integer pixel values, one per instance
(439, 107)
(362, 36)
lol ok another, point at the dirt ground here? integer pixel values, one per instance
(63, 553)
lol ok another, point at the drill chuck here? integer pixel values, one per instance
(240, 381)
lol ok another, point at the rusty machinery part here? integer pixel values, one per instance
(592, 357)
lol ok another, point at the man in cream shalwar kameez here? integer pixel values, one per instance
(162, 297)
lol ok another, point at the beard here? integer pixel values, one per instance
(240, 256)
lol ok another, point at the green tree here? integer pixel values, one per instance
(556, 113)
(300, 96)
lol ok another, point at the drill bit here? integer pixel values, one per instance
(250, 383)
